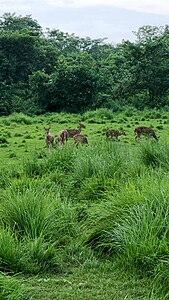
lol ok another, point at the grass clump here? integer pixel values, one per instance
(134, 227)
(34, 167)
(161, 278)
(10, 252)
(20, 118)
(29, 211)
(154, 155)
(98, 115)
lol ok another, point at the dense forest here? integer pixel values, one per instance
(53, 71)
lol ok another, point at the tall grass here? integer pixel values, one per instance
(134, 226)
(42, 255)
(29, 212)
(42, 224)
(10, 251)
(7, 175)
(103, 167)
(161, 278)
(59, 159)
(155, 155)
(72, 206)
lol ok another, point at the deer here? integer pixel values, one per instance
(62, 137)
(49, 138)
(115, 133)
(80, 139)
(72, 132)
(147, 131)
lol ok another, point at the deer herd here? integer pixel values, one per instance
(78, 138)
(64, 134)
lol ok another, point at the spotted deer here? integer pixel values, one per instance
(49, 138)
(72, 132)
(115, 134)
(79, 139)
(62, 137)
(147, 131)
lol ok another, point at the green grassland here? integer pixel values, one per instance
(90, 222)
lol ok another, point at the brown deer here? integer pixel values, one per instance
(49, 138)
(62, 137)
(79, 139)
(115, 133)
(147, 131)
(72, 132)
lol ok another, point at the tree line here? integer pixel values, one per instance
(53, 71)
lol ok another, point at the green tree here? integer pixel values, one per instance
(24, 25)
(148, 62)
(72, 87)
(20, 52)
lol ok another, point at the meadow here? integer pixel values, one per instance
(87, 222)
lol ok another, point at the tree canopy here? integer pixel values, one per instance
(56, 71)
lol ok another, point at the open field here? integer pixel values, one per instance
(25, 134)
(88, 222)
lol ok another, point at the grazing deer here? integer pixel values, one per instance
(49, 138)
(147, 131)
(115, 133)
(79, 139)
(62, 137)
(72, 132)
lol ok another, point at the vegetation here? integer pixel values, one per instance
(90, 221)
(57, 72)
(86, 222)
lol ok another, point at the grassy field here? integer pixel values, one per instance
(88, 222)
